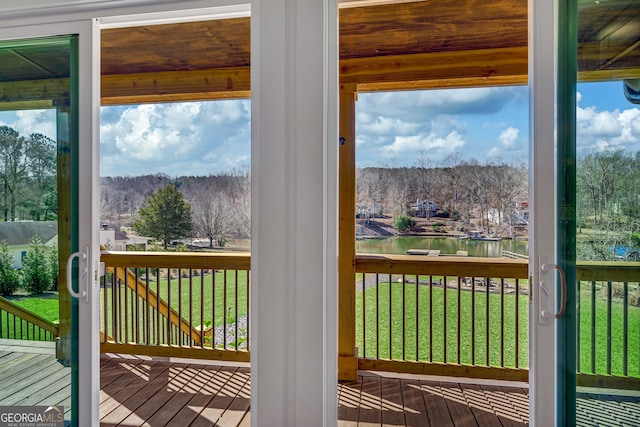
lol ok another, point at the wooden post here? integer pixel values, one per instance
(64, 172)
(347, 360)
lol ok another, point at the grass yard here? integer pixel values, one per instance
(473, 344)
(45, 306)
(193, 298)
(417, 317)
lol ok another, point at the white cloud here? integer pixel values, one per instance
(604, 130)
(509, 137)
(495, 153)
(447, 144)
(27, 122)
(196, 138)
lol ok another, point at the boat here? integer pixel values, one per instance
(482, 237)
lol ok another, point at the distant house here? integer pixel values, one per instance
(19, 234)
(368, 210)
(114, 239)
(424, 209)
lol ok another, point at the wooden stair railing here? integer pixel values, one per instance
(29, 317)
(133, 283)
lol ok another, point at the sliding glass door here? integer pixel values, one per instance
(585, 323)
(48, 105)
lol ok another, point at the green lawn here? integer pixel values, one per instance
(442, 333)
(193, 299)
(44, 306)
(378, 336)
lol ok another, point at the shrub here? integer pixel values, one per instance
(402, 223)
(52, 265)
(9, 277)
(36, 277)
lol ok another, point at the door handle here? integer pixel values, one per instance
(563, 291)
(83, 285)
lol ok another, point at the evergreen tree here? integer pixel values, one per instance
(9, 277)
(36, 277)
(165, 216)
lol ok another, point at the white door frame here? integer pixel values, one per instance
(88, 196)
(299, 50)
(542, 202)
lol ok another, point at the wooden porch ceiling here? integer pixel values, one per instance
(391, 46)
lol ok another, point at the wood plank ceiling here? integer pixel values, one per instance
(392, 46)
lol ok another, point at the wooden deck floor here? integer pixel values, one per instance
(30, 375)
(145, 392)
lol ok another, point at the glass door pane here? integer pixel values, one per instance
(38, 226)
(598, 218)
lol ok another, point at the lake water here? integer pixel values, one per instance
(477, 248)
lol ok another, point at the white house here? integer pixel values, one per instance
(19, 234)
(114, 239)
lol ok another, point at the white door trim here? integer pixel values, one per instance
(294, 213)
(542, 201)
(88, 196)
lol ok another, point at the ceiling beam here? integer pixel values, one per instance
(34, 90)
(174, 86)
(484, 64)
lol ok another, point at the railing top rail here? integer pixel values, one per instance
(608, 271)
(442, 265)
(194, 260)
(30, 317)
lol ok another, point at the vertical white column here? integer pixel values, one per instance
(294, 212)
(89, 221)
(542, 237)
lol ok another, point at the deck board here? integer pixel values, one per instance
(415, 412)
(370, 408)
(141, 391)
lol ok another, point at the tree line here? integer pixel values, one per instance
(214, 207)
(608, 203)
(462, 190)
(27, 176)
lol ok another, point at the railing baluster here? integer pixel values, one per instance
(625, 329)
(202, 308)
(593, 327)
(169, 331)
(191, 309)
(224, 310)
(502, 322)
(147, 308)
(459, 345)
(609, 298)
(235, 305)
(486, 320)
(126, 322)
(179, 337)
(137, 324)
(417, 318)
(473, 321)
(105, 306)
(157, 310)
(248, 285)
(578, 323)
(377, 315)
(213, 308)
(390, 322)
(517, 304)
(444, 320)
(364, 317)
(430, 318)
(115, 305)
(404, 316)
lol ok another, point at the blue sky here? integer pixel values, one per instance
(486, 124)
